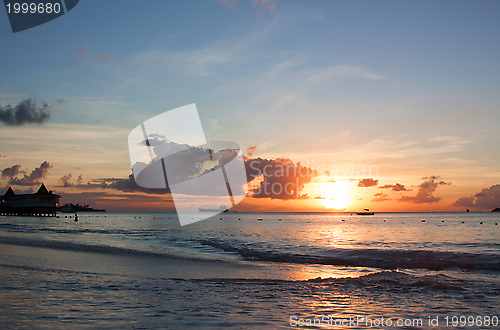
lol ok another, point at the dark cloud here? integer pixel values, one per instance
(275, 178)
(488, 198)
(121, 184)
(12, 171)
(185, 162)
(34, 177)
(367, 183)
(65, 179)
(279, 178)
(395, 187)
(425, 191)
(380, 197)
(25, 112)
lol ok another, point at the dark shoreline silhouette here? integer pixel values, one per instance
(74, 208)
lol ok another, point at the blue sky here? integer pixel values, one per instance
(411, 86)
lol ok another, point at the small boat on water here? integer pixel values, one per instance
(220, 209)
(365, 212)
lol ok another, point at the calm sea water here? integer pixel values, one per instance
(246, 270)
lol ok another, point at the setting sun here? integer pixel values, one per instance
(337, 195)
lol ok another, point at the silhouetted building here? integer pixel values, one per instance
(41, 203)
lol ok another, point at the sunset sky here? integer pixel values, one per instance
(392, 105)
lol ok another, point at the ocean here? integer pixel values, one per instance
(251, 270)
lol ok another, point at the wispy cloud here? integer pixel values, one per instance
(260, 5)
(197, 62)
(343, 72)
(77, 142)
(265, 4)
(83, 54)
(380, 197)
(77, 55)
(102, 57)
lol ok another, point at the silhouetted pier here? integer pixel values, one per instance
(43, 203)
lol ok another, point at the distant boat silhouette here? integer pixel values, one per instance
(365, 212)
(220, 209)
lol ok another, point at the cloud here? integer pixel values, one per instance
(83, 54)
(395, 187)
(251, 150)
(487, 198)
(344, 71)
(28, 180)
(380, 197)
(198, 62)
(34, 177)
(65, 180)
(277, 178)
(367, 183)
(77, 55)
(102, 57)
(25, 112)
(269, 4)
(121, 184)
(425, 191)
(10, 172)
(260, 5)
